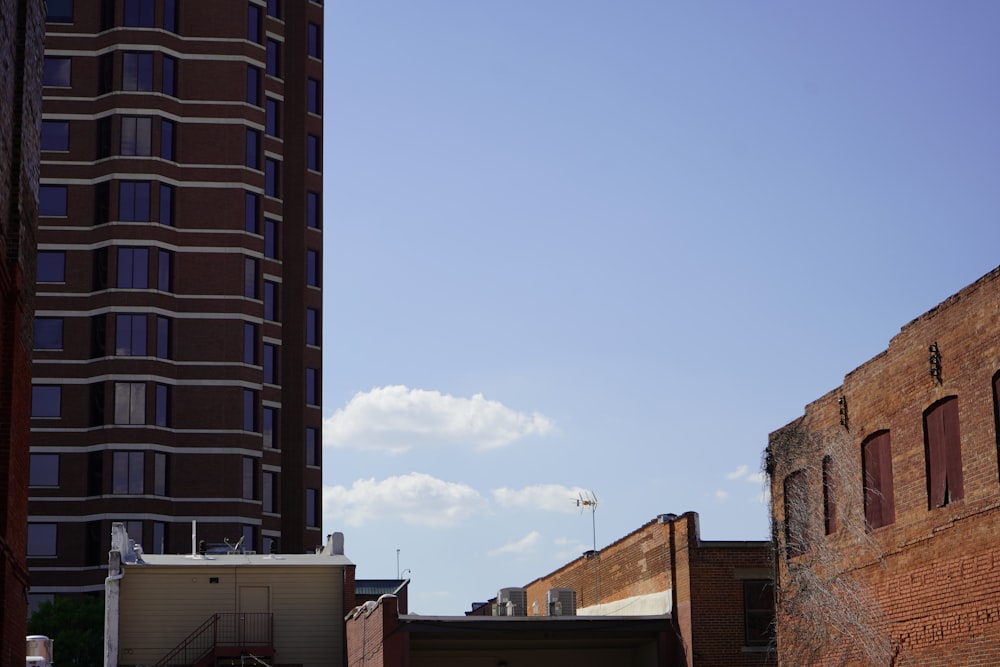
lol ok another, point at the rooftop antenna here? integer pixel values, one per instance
(587, 500)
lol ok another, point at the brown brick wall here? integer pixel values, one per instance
(934, 573)
(22, 33)
(709, 589)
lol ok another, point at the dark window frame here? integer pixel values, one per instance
(943, 453)
(876, 466)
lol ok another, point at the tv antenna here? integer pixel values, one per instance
(587, 500)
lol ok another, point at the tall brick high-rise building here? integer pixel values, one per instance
(177, 359)
(22, 33)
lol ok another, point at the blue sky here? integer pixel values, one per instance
(609, 246)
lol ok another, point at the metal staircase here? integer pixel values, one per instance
(224, 635)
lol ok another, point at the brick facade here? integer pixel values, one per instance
(703, 582)
(929, 575)
(22, 32)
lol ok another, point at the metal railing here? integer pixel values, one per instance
(228, 629)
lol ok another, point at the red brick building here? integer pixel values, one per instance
(886, 500)
(22, 33)
(718, 594)
(178, 347)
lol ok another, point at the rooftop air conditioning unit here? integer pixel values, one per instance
(562, 601)
(512, 602)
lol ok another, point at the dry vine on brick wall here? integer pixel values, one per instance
(826, 614)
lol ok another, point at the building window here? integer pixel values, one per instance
(312, 326)
(44, 470)
(876, 463)
(252, 157)
(58, 72)
(52, 200)
(315, 41)
(159, 474)
(250, 343)
(105, 73)
(253, 23)
(133, 529)
(169, 84)
(273, 58)
(170, 15)
(166, 205)
(46, 400)
(312, 508)
(996, 413)
(130, 335)
(758, 611)
(127, 473)
(249, 410)
(313, 152)
(162, 337)
(272, 117)
(269, 491)
(167, 139)
(272, 185)
(137, 135)
(943, 452)
(48, 333)
(253, 85)
(130, 403)
(271, 239)
(159, 545)
(314, 101)
(41, 539)
(133, 201)
(248, 539)
(797, 512)
(51, 266)
(162, 415)
(270, 427)
(274, 9)
(250, 278)
(137, 71)
(103, 148)
(164, 270)
(312, 210)
(270, 301)
(829, 497)
(59, 11)
(133, 268)
(312, 446)
(312, 386)
(250, 212)
(313, 267)
(55, 135)
(249, 478)
(138, 14)
(270, 363)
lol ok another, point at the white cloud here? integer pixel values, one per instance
(756, 478)
(721, 496)
(397, 418)
(524, 545)
(415, 498)
(738, 473)
(569, 549)
(547, 497)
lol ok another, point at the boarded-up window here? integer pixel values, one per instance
(876, 461)
(996, 412)
(829, 497)
(943, 451)
(797, 512)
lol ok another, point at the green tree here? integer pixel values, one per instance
(76, 623)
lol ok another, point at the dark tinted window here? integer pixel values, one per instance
(130, 335)
(41, 539)
(315, 42)
(167, 139)
(253, 23)
(312, 152)
(313, 267)
(252, 148)
(273, 58)
(46, 400)
(138, 13)
(253, 85)
(312, 386)
(44, 470)
(52, 200)
(133, 268)
(312, 326)
(270, 239)
(137, 135)
(314, 101)
(270, 301)
(59, 11)
(137, 71)
(55, 135)
(271, 117)
(272, 185)
(312, 210)
(51, 266)
(57, 71)
(166, 204)
(250, 209)
(48, 333)
(133, 201)
(169, 86)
